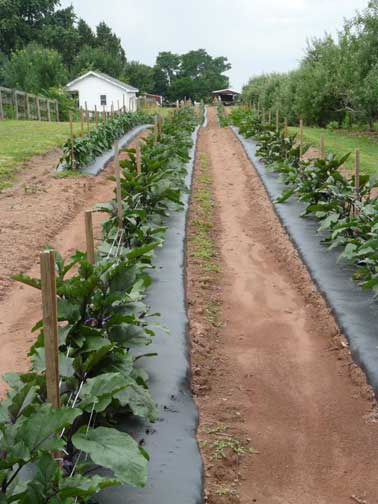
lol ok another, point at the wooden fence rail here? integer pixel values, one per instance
(15, 104)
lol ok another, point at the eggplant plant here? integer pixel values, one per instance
(52, 455)
(85, 149)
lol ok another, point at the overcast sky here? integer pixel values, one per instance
(256, 35)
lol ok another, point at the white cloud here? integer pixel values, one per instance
(256, 35)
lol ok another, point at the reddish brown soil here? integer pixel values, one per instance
(39, 210)
(278, 375)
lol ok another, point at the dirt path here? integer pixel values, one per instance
(277, 376)
(39, 210)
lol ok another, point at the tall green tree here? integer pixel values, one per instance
(140, 76)
(20, 21)
(34, 69)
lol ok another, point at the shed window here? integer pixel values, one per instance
(103, 99)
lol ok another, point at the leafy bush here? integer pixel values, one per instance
(333, 125)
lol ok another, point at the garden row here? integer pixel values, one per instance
(345, 208)
(52, 454)
(78, 151)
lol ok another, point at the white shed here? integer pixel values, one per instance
(101, 90)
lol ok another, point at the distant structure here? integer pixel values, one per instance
(98, 90)
(158, 99)
(226, 96)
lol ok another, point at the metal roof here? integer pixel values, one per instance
(225, 91)
(104, 77)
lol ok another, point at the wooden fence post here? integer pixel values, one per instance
(38, 108)
(50, 325)
(1, 106)
(138, 159)
(286, 128)
(357, 172)
(27, 106)
(48, 110)
(322, 147)
(89, 237)
(300, 139)
(72, 142)
(16, 104)
(118, 184)
(104, 113)
(57, 110)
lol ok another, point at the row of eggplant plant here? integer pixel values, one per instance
(68, 454)
(81, 150)
(348, 216)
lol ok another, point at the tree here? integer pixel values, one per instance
(34, 69)
(20, 21)
(59, 32)
(108, 41)
(140, 76)
(97, 58)
(168, 63)
(86, 35)
(199, 74)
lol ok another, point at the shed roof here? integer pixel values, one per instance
(104, 77)
(226, 91)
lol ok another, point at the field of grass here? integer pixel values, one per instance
(342, 142)
(20, 140)
(163, 111)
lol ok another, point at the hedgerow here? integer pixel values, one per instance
(104, 326)
(348, 216)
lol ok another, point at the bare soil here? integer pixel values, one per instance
(40, 210)
(277, 376)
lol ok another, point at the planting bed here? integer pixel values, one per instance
(354, 308)
(104, 314)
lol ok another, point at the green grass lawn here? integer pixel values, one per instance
(342, 142)
(20, 140)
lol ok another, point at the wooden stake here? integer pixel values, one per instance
(156, 130)
(118, 184)
(89, 237)
(322, 147)
(81, 122)
(48, 110)
(286, 128)
(96, 116)
(124, 102)
(357, 171)
(300, 139)
(87, 118)
(118, 106)
(277, 121)
(57, 111)
(72, 142)
(138, 159)
(104, 113)
(270, 117)
(50, 325)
